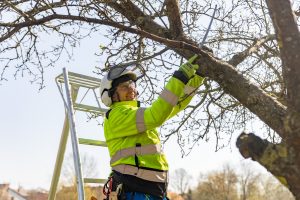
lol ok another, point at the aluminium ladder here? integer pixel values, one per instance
(73, 82)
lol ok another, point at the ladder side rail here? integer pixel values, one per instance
(59, 159)
(74, 139)
(61, 149)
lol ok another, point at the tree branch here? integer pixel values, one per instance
(288, 38)
(138, 18)
(255, 99)
(240, 57)
(174, 16)
(168, 42)
(27, 17)
(276, 158)
(9, 34)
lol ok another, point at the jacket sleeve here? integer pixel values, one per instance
(187, 95)
(126, 121)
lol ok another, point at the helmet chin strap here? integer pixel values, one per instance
(118, 96)
(115, 97)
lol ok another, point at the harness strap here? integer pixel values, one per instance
(149, 175)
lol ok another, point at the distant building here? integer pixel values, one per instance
(7, 193)
(37, 195)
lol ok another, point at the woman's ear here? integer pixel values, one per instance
(115, 96)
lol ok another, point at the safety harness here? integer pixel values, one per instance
(113, 190)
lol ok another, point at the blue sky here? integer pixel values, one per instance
(31, 122)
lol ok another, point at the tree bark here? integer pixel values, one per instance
(279, 159)
(288, 39)
(174, 17)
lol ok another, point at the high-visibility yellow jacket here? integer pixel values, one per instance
(131, 135)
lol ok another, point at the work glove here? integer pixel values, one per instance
(189, 68)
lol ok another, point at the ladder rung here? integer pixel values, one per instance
(92, 142)
(80, 80)
(94, 180)
(90, 109)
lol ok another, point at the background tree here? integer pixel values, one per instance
(271, 189)
(68, 185)
(89, 169)
(249, 183)
(180, 181)
(220, 185)
(256, 47)
(174, 196)
(231, 183)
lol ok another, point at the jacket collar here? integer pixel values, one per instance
(130, 103)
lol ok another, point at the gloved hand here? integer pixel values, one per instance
(189, 69)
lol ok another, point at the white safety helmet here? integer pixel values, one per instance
(107, 88)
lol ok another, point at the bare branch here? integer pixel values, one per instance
(9, 33)
(27, 17)
(240, 57)
(174, 16)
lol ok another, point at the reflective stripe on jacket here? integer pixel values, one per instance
(131, 134)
